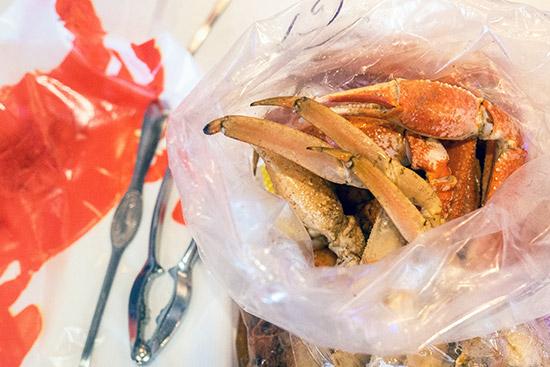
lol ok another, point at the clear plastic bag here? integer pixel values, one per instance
(424, 293)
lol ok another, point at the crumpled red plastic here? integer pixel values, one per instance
(67, 149)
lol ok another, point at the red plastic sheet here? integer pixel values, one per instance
(68, 140)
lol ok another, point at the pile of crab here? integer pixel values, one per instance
(372, 168)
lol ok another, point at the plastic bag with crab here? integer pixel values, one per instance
(470, 276)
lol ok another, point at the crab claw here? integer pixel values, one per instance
(347, 136)
(425, 107)
(289, 143)
(509, 154)
(316, 204)
(350, 138)
(442, 111)
(406, 217)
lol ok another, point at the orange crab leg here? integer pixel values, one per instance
(430, 156)
(490, 155)
(465, 167)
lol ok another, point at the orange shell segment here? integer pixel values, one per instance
(439, 110)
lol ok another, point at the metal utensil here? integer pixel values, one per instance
(144, 351)
(171, 316)
(201, 34)
(127, 216)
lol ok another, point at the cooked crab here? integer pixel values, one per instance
(368, 130)
(429, 112)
